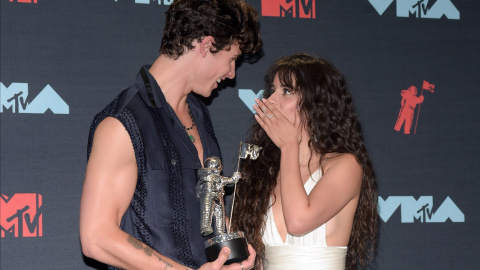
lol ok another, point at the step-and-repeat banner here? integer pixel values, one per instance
(412, 67)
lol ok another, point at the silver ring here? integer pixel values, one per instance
(270, 116)
(242, 266)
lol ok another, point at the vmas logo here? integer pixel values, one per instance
(21, 215)
(248, 97)
(410, 100)
(428, 9)
(420, 210)
(289, 8)
(14, 98)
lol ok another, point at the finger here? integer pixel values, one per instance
(271, 109)
(260, 104)
(261, 122)
(266, 103)
(257, 109)
(249, 263)
(252, 251)
(260, 114)
(222, 257)
(263, 108)
(266, 112)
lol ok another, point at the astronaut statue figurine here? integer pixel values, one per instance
(210, 190)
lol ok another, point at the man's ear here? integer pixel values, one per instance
(206, 44)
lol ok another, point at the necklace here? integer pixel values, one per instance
(192, 138)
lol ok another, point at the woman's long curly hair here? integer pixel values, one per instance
(326, 108)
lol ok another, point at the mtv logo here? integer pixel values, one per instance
(289, 8)
(21, 215)
(15, 96)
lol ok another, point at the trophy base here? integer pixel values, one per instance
(235, 241)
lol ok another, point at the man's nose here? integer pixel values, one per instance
(231, 73)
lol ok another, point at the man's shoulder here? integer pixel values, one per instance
(128, 99)
(118, 108)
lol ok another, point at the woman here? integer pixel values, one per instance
(311, 195)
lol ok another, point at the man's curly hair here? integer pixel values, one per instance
(227, 21)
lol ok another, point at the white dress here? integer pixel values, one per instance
(309, 251)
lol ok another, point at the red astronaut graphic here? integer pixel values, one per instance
(408, 103)
(26, 1)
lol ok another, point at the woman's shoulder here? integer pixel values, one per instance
(340, 158)
(343, 163)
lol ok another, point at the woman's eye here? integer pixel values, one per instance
(286, 91)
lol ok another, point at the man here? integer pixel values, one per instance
(138, 207)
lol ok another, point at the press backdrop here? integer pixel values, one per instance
(63, 61)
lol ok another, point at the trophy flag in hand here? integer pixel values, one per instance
(246, 150)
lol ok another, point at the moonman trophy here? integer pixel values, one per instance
(210, 190)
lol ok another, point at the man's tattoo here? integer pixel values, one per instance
(148, 251)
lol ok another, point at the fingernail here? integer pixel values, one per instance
(226, 250)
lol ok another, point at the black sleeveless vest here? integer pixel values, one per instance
(164, 212)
